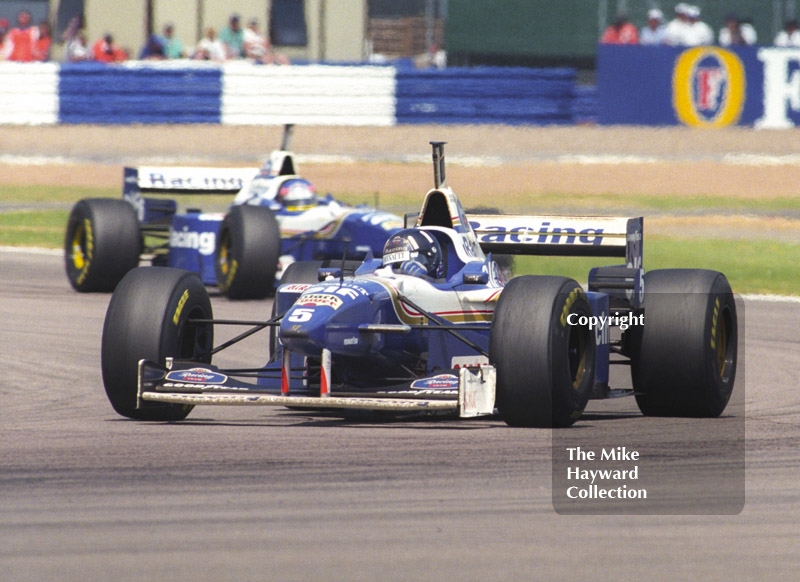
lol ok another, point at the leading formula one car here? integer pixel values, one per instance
(431, 328)
(276, 218)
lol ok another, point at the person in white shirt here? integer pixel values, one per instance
(655, 31)
(789, 36)
(749, 34)
(700, 33)
(210, 48)
(677, 31)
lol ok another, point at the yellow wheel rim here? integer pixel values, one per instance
(78, 256)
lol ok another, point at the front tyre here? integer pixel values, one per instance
(683, 359)
(246, 258)
(149, 318)
(101, 244)
(545, 361)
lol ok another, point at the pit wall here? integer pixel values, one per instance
(699, 87)
(240, 93)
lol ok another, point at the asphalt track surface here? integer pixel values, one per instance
(274, 494)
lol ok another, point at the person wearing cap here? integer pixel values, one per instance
(233, 38)
(655, 30)
(621, 31)
(676, 32)
(700, 33)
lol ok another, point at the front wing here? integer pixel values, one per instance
(470, 392)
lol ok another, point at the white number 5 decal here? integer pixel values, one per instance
(301, 315)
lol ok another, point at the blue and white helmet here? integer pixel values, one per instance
(297, 194)
(418, 246)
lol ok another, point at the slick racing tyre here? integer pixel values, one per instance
(149, 318)
(102, 243)
(248, 246)
(683, 359)
(545, 364)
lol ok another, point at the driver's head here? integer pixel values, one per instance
(414, 246)
(297, 194)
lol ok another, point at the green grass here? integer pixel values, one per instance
(754, 266)
(751, 266)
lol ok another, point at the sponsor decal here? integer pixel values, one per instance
(204, 242)
(781, 83)
(571, 299)
(320, 299)
(295, 288)
(196, 376)
(442, 381)
(545, 233)
(162, 180)
(708, 87)
(468, 361)
(181, 302)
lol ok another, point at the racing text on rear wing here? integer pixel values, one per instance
(559, 235)
(186, 180)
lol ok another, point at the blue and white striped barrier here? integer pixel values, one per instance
(240, 93)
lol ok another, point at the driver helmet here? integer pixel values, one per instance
(297, 194)
(415, 245)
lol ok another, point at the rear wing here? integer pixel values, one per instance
(185, 180)
(585, 236)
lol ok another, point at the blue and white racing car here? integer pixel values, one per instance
(276, 218)
(432, 328)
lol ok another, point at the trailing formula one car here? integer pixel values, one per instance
(276, 218)
(431, 328)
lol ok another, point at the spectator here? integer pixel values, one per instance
(731, 33)
(789, 36)
(4, 24)
(41, 48)
(18, 43)
(106, 50)
(258, 48)
(173, 47)
(233, 38)
(655, 31)
(210, 48)
(153, 49)
(749, 33)
(700, 33)
(677, 31)
(621, 31)
(77, 50)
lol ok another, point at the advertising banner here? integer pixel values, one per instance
(704, 86)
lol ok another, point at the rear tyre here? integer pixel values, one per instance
(545, 365)
(101, 244)
(683, 359)
(148, 318)
(248, 246)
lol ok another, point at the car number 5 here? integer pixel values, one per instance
(301, 315)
